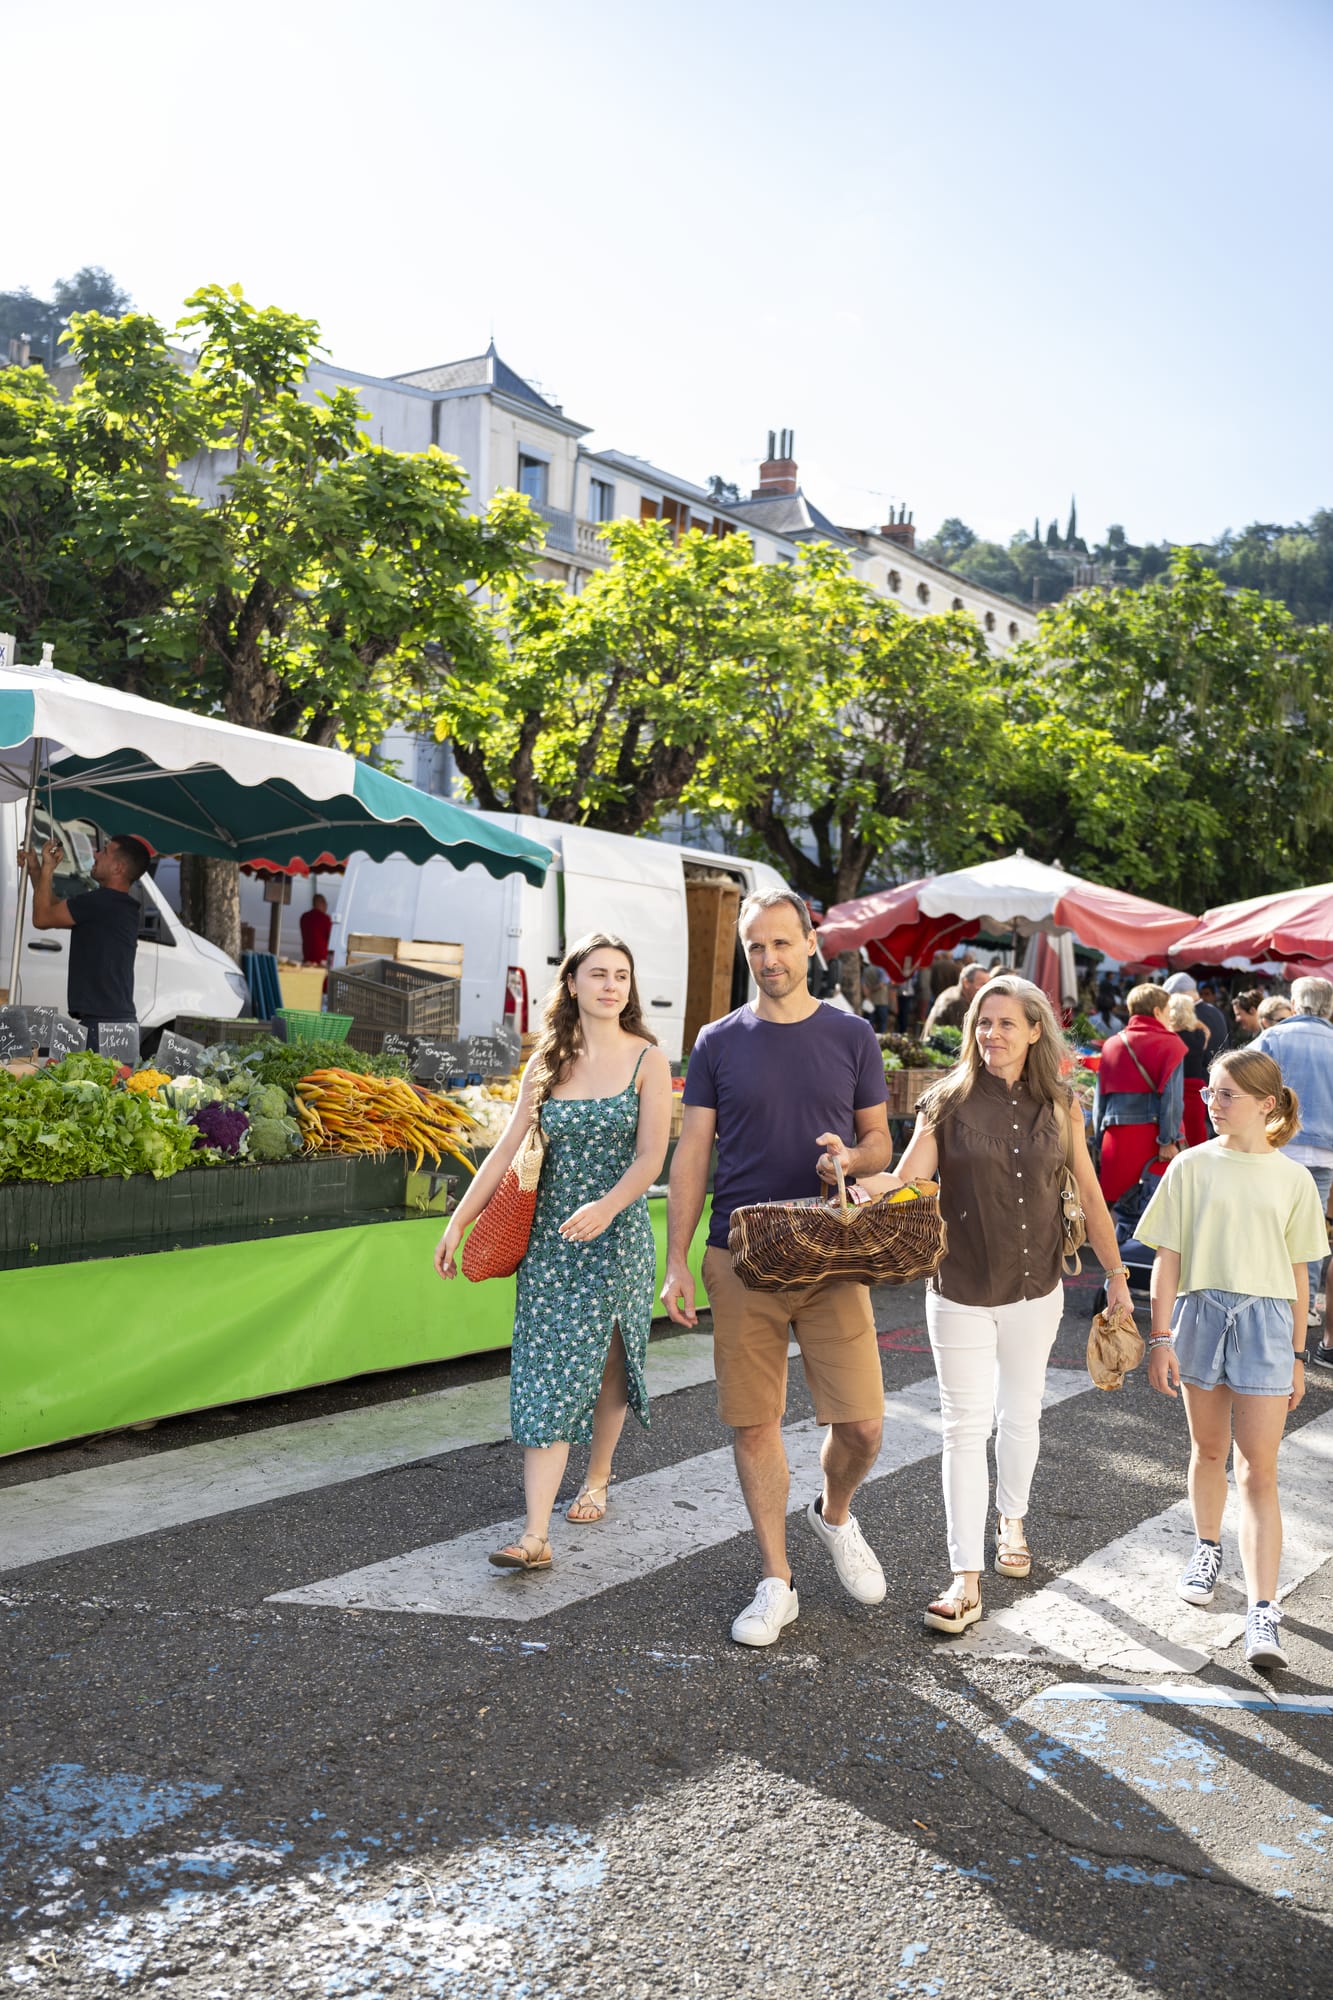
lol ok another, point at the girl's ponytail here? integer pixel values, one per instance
(1284, 1121)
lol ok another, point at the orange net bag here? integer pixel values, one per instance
(498, 1240)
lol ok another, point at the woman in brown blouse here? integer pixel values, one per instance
(997, 1131)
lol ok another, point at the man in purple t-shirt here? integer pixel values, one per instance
(783, 1085)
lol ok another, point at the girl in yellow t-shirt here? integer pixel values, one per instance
(1234, 1225)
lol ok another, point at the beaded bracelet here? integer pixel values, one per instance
(1160, 1339)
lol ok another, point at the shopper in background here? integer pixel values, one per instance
(1139, 1100)
(316, 929)
(1245, 1007)
(1183, 1021)
(875, 996)
(1301, 1044)
(1275, 1008)
(1219, 1028)
(951, 1005)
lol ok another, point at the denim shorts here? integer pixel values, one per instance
(1229, 1340)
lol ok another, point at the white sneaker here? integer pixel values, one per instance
(855, 1561)
(1263, 1648)
(774, 1606)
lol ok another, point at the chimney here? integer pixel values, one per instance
(777, 474)
(20, 350)
(900, 528)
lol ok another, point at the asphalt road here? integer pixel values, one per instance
(211, 1793)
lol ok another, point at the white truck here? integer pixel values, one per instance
(175, 972)
(514, 936)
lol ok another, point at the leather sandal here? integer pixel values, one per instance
(528, 1552)
(952, 1611)
(589, 1510)
(1013, 1557)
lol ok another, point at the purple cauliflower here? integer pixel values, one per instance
(220, 1126)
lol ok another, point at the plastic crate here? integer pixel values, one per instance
(305, 1024)
(211, 1029)
(382, 994)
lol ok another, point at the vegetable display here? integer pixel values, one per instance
(55, 1126)
(342, 1112)
(88, 1115)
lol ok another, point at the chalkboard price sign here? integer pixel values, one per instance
(494, 1054)
(432, 1060)
(66, 1037)
(41, 1020)
(119, 1040)
(397, 1044)
(178, 1055)
(15, 1035)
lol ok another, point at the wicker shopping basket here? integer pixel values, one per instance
(780, 1246)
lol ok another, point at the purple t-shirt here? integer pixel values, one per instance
(775, 1086)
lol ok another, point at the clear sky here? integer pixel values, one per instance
(977, 257)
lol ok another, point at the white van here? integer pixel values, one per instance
(514, 936)
(175, 972)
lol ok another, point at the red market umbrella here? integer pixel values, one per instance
(1296, 925)
(891, 927)
(1012, 893)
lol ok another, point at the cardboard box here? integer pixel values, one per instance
(433, 955)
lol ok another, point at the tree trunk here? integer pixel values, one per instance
(211, 900)
(849, 978)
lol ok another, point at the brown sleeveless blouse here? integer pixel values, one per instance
(1001, 1152)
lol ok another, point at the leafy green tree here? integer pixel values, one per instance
(834, 729)
(43, 321)
(618, 705)
(1228, 703)
(878, 737)
(198, 529)
(990, 564)
(1294, 563)
(952, 539)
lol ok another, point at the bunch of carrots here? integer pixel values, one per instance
(340, 1112)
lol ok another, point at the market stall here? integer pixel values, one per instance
(1295, 926)
(116, 1304)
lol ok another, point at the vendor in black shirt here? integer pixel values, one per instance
(105, 923)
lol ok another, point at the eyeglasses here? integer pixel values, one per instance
(1211, 1096)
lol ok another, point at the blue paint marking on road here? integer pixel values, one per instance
(911, 1953)
(1188, 1697)
(66, 1807)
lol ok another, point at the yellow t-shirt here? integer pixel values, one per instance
(1239, 1220)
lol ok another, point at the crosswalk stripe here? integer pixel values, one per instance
(45, 1518)
(1119, 1609)
(654, 1521)
(1182, 1695)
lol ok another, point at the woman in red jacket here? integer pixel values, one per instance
(1138, 1109)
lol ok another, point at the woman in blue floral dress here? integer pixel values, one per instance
(602, 1090)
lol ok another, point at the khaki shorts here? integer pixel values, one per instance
(834, 1328)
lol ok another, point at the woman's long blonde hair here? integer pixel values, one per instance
(1180, 1014)
(1259, 1076)
(1044, 1058)
(561, 1037)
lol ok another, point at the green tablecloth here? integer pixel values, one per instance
(90, 1347)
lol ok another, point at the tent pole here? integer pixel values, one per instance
(21, 888)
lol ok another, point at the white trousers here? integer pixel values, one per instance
(991, 1363)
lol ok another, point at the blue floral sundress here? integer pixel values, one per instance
(572, 1295)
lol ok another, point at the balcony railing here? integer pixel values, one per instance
(567, 536)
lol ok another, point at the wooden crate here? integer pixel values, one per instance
(907, 1087)
(429, 953)
(711, 909)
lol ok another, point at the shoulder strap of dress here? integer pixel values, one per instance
(642, 1053)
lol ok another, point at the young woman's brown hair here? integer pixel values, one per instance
(561, 1041)
(1259, 1076)
(1147, 999)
